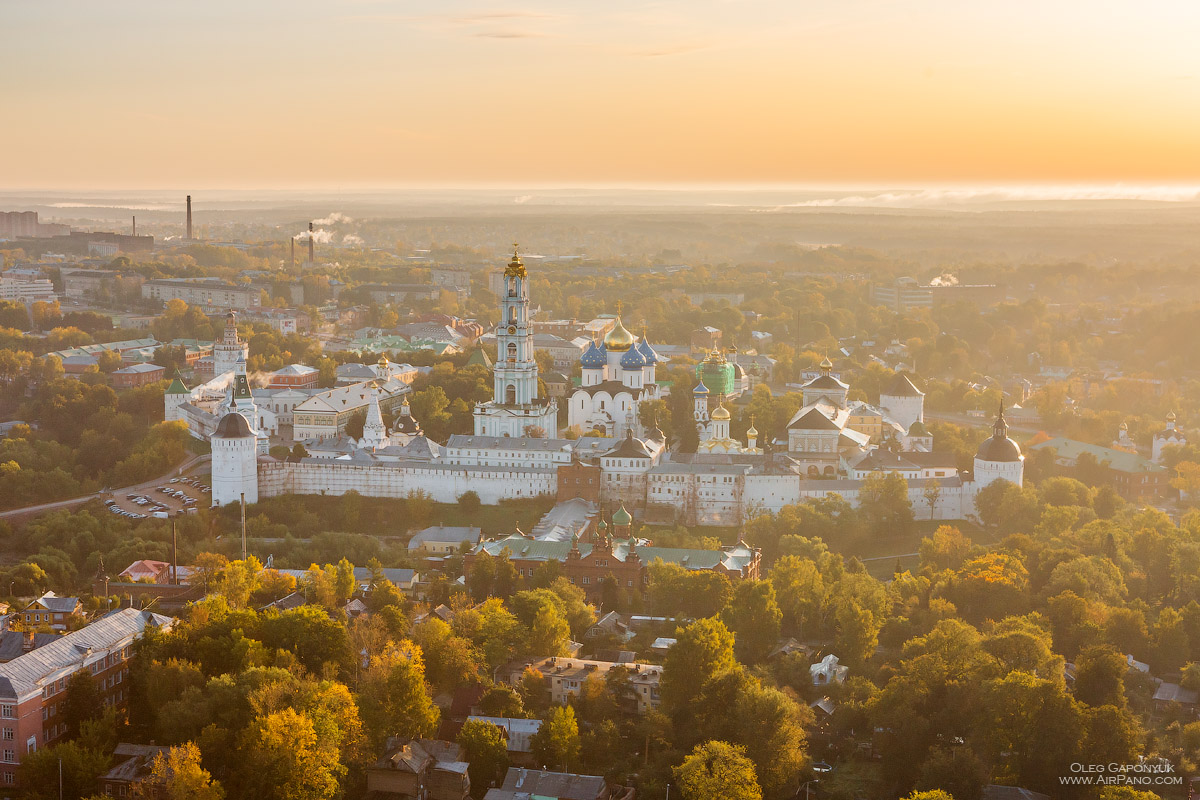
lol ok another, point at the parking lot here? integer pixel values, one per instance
(175, 496)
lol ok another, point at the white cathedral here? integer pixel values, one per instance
(616, 377)
(830, 445)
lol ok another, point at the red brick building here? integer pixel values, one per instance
(587, 564)
(137, 375)
(32, 685)
(294, 376)
(579, 480)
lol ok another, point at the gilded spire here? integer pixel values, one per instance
(516, 267)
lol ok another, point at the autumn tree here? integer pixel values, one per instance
(718, 769)
(556, 743)
(178, 775)
(281, 759)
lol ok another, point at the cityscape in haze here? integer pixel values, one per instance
(568, 401)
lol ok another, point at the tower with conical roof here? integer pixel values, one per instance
(999, 457)
(174, 398)
(234, 461)
(230, 349)
(515, 407)
(374, 432)
(903, 401)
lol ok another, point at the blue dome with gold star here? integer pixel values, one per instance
(633, 359)
(594, 357)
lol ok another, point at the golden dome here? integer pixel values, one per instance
(619, 339)
(752, 431)
(516, 267)
(383, 359)
(721, 412)
(826, 363)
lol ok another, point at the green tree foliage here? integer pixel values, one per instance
(718, 769)
(485, 748)
(282, 759)
(395, 697)
(754, 618)
(556, 743)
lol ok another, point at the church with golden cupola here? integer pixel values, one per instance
(515, 409)
(616, 376)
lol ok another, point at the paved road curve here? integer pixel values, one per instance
(32, 511)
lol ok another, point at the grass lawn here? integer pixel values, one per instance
(853, 779)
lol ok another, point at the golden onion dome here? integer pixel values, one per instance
(752, 431)
(619, 339)
(826, 363)
(721, 412)
(383, 359)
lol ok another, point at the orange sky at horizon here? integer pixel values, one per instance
(382, 92)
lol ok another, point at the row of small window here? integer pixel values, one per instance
(586, 581)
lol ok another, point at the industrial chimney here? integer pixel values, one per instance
(189, 217)
(293, 264)
(311, 259)
(135, 225)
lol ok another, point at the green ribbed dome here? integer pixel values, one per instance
(622, 517)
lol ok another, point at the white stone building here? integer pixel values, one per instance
(515, 408)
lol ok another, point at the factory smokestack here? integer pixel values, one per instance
(189, 217)
(293, 263)
(135, 224)
(311, 260)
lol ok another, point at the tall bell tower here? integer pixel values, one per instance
(515, 408)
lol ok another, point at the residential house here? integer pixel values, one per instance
(52, 610)
(828, 671)
(133, 765)
(426, 768)
(442, 539)
(518, 734)
(567, 676)
(523, 784)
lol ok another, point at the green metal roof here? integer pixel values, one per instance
(1119, 460)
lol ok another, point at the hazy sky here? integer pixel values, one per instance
(295, 93)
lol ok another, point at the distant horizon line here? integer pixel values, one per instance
(1129, 189)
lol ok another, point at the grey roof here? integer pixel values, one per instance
(23, 675)
(630, 447)
(12, 643)
(1174, 693)
(507, 443)
(59, 605)
(443, 534)
(996, 792)
(901, 386)
(361, 574)
(826, 382)
(233, 426)
(136, 763)
(561, 785)
(814, 420)
(611, 387)
(287, 602)
(996, 448)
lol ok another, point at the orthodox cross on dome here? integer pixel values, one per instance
(515, 268)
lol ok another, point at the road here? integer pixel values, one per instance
(33, 511)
